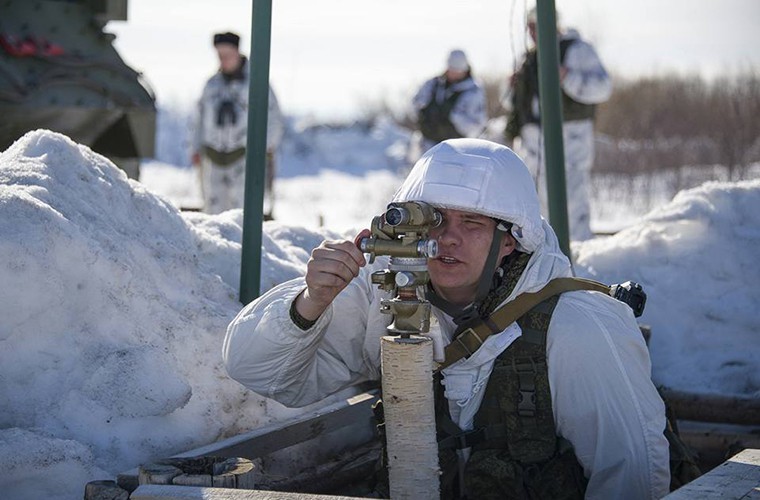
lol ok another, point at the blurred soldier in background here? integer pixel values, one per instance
(221, 132)
(584, 83)
(448, 106)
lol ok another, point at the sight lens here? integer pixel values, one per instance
(396, 216)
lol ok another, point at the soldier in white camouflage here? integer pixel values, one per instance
(584, 83)
(221, 132)
(559, 404)
(448, 106)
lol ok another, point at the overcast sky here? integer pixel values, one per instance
(329, 57)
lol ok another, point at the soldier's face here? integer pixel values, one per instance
(229, 57)
(454, 75)
(464, 240)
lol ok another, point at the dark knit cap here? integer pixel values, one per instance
(228, 37)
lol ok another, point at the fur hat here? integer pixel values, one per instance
(228, 37)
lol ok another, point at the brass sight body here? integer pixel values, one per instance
(402, 233)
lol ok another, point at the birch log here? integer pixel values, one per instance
(407, 371)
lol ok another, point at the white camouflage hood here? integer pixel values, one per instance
(479, 176)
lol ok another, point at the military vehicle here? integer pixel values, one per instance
(60, 71)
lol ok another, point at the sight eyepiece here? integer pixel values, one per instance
(395, 216)
(412, 216)
(402, 231)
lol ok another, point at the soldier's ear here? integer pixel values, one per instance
(509, 244)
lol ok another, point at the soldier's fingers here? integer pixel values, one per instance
(339, 253)
(329, 266)
(350, 248)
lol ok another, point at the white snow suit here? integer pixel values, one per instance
(220, 137)
(586, 82)
(467, 116)
(599, 369)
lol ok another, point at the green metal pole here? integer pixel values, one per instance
(255, 154)
(551, 120)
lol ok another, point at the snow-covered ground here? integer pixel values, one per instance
(114, 303)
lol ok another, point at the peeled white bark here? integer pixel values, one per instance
(407, 367)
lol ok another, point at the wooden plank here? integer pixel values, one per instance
(720, 438)
(354, 413)
(737, 478)
(742, 410)
(170, 492)
(354, 467)
(280, 435)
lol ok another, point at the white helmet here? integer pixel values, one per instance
(475, 175)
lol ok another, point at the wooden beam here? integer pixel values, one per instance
(279, 435)
(717, 437)
(354, 413)
(737, 478)
(713, 407)
(171, 492)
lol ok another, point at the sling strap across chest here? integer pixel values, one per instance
(475, 334)
(515, 450)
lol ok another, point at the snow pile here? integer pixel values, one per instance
(113, 308)
(696, 258)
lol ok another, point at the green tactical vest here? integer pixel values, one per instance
(515, 450)
(434, 121)
(526, 89)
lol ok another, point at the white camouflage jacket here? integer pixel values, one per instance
(231, 134)
(586, 80)
(469, 113)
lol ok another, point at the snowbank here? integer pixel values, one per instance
(113, 307)
(697, 259)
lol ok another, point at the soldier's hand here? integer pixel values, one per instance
(332, 266)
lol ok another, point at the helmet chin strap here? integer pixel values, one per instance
(469, 312)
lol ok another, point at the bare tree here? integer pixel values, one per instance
(494, 86)
(734, 108)
(671, 121)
